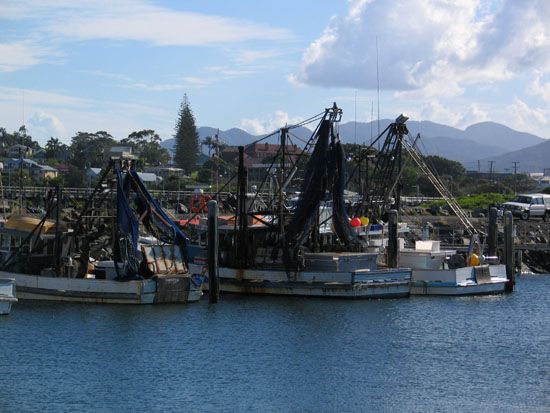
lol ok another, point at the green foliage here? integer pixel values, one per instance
(204, 175)
(18, 137)
(187, 139)
(58, 180)
(55, 149)
(481, 200)
(76, 177)
(90, 149)
(471, 202)
(146, 144)
(443, 166)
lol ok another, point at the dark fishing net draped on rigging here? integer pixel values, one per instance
(340, 217)
(153, 217)
(125, 247)
(325, 169)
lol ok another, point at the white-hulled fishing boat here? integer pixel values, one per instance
(50, 264)
(443, 272)
(285, 252)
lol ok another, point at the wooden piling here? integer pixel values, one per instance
(492, 236)
(509, 251)
(393, 242)
(213, 281)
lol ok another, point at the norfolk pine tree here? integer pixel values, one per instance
(187, 139)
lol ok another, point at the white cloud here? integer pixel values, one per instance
(269, 124)
(137, 20)
(526, 118)
(50, 23)
(16, 96)
(540, 87)
(435, 111)
(474, 114)
(428, 47)
(251, 56)
(48, 108)
(109, 75)
(45, 124)
(19, 55)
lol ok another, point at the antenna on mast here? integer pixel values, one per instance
(378, 88)
(23, 107)
(371, 120)
(355, 121)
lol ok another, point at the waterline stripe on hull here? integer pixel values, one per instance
(29, 293)
(480, 289)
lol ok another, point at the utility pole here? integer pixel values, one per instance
(478, 166)
(491, 170)
(515, 180)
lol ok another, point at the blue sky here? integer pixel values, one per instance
(122, 66)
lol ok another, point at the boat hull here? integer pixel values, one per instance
(328, 290)
(424, 288)
(481, 280)
(354, 284)
(7, 295)
(86, 290)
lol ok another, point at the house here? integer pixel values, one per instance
(36, 170)
(542, 178)
(259, 153)
(17, 151)
(39, 155)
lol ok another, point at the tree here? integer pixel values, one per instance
(210, 143)
(90, 149)
(56, 150)
(187, 139)
(146, 144)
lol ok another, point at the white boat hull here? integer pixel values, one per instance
(89, 290)
(460, 281)
(7, 295)
(420, 288)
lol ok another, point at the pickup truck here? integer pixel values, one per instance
(527, 206)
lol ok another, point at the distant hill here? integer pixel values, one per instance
(481, 141)
(489, 134)
(495, 134)
(236, 136)
(532, 159)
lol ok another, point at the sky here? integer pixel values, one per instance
(122, 66)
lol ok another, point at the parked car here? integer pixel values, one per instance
(527, 206)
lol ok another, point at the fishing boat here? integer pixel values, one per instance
(49, 262)
(282, 252)
(7, 295)
(444, 272)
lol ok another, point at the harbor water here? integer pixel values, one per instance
(265, 354)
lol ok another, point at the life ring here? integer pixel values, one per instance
(198, 203)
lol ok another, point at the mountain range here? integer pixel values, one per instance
(474, 146)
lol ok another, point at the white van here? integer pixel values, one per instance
(526, 206)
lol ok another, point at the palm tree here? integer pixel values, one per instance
(210, 143)
(52, 147)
